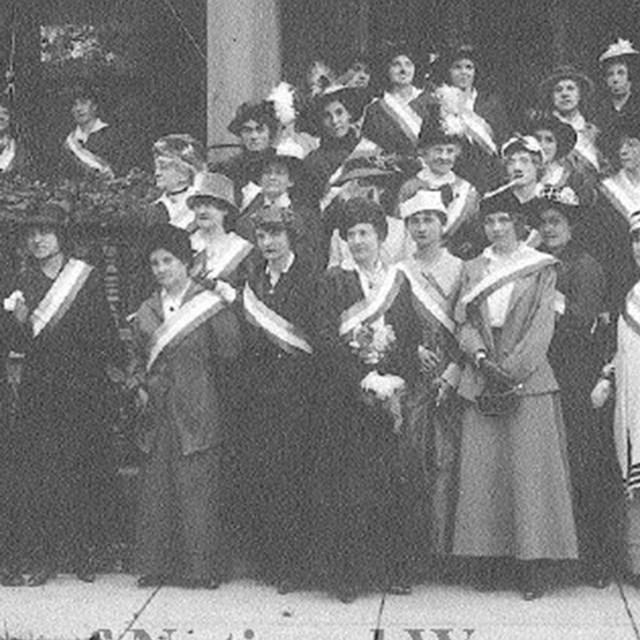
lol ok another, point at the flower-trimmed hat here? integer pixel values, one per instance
(50, 215)
(182, 147)
(353, 99)
(562, 199)
(565, 72)
(564, 133)
(621, 49)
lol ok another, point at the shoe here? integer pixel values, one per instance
(86, 575)
(40, 576)
(532, 592)
(285, 586)
(150, 581)
(598, 576)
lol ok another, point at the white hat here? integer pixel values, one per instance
(617, 49)
(424, 200)
(521, 143)
(290, 149)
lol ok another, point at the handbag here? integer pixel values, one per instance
(500, 396)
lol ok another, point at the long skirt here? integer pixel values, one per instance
(178, 528)
(515, 493)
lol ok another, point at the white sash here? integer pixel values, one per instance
(587, 150)
(7, 156)
(620, 198)
(249, 192)
(238, 250)
(428, 304)
(457, 207)
(279, 330)
(188, 317)
(530, 263)
(86, 157)
(402, 113)
(479, 131)
(369, 310)
(60, 296)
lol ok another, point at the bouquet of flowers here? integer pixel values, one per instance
(386, 389)
(372, 342)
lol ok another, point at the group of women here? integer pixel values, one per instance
(355, 365)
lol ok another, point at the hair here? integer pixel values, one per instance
(518, 218)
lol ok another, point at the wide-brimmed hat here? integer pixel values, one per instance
(217, 187)
(621, 49)
(362, 211)
(373, 167)
(565, 72)
(562, 199)
(564, 133)
(424, 200)
(353, 99)
(435, 130)
(263, 112)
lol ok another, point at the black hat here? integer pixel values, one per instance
(362, 211)
(564, 133)
(262, 112)
(173, 239)
(275, 218)
(565, 72)
(435, 131)
(354, 101)
(50, 215)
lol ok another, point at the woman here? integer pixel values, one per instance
(619, 198)
(393, 121)
(276, 435)
(438, 151)
(623, 370)
(186, 341)
(514, 492)
(433, 425)
(219, 253)
(574, 355)
(562, 93)
(64, 328)
(482, 114)
(559, 168)
(333, 115)
(14, 157)
(367, 331)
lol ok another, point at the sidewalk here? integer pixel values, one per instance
(67, 609)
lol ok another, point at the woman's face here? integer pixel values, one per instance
(617, 79)
(630, 153)
(440, 158)
(208, 213)
(171, 175)
(43, 243)
(274, 244)
(425, 228)
(84, 111)
(549, 145)
(364, 243)
(336, 120)
(401, 71)
(255, 136)
(168, 270)
(463, 73)
(5, 120)
(522, 169)
(501, 231)
(566, 96)
(275, 180)
(555, 229)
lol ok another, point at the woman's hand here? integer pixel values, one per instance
(445, 390)
(601, 393)
(429, 360)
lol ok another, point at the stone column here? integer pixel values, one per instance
(243, 50)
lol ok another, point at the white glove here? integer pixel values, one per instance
(601, 393)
